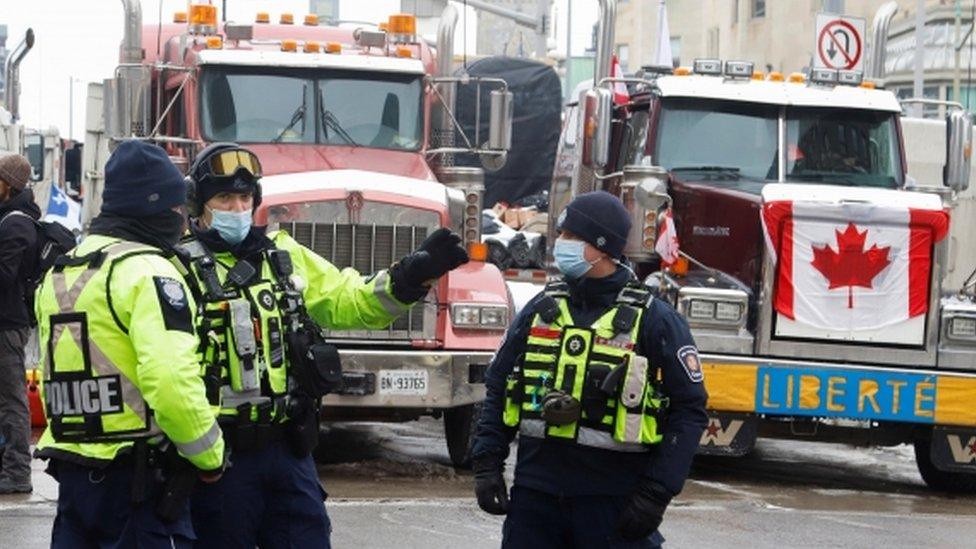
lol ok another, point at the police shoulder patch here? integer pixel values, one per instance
(174, 304)
(688, 357)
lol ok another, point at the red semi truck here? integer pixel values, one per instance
(812, 269)
(355, 133)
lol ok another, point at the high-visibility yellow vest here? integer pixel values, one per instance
(242, 331)
(578, 360)
(116, 368)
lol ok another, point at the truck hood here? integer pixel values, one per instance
(718, 223)
(293, 189)
(279, 159)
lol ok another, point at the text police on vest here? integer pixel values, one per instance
(87, 396)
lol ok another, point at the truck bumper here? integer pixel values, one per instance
(411, 379)
(776, 387)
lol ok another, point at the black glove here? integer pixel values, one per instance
(439, 253)
(644, 512)
(489, 485)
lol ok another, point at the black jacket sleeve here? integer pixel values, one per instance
(667, 342)
(17, 237)
(493, 437)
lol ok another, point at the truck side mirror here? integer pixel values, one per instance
(72, 167)
(959, 150)
(501, 114)
(34, 151)
(594, 128)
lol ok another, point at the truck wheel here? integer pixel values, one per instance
(459, 428)
(943, 481)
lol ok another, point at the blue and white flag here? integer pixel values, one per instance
(63, 210)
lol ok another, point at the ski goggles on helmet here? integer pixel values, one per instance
(229, 163)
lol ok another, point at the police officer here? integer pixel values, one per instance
(602, 383)
(121, 380)
(263, 295)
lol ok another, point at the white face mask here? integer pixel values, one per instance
(571, 259)
(231, 226)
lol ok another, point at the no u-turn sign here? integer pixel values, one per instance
(839, 42)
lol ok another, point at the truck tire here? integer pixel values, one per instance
(459, 429)
(942, 481)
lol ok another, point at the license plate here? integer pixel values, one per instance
(403, 382)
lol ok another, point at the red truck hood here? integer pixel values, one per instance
(719, 225)
(291, 158)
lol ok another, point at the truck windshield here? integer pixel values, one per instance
(325, 106)
(842, 146)
(718, 135)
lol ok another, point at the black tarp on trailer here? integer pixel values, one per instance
(537, 95)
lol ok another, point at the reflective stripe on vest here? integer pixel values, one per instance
(576, 360)
(98, 401)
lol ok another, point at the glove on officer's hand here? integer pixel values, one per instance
(439, 253)
(489, 485)
(644, 513)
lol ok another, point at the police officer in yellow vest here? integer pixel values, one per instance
(603, 386)
(121, 384)
(263, 296)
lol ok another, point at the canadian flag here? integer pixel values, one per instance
(666, 245)
(851, 259)
(620, 94)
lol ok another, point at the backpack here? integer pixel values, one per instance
(53, 240)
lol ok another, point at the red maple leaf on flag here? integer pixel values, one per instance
(850, 266)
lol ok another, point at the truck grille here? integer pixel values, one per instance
(368, 248)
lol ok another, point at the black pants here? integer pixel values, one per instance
(537, 520)
(95, 510)
(268, 498)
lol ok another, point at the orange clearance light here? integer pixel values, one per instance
(797, 78)
(404, 52)
(333, 47)
(312, 20)
(478, 251)
(287, 19)
(682, 71)
(289, 45)
(179, 17)
(203, 15)
(759, 75)
(262, 17)
(775, 77)
(312, 46)
(214, 42)
(868, 85)
(402, 23)
(679, 267)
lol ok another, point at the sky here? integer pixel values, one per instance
(77, 41)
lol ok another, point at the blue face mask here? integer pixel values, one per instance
(231, 226)
(570, 259)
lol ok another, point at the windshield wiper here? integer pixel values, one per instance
(297, 117)
(330, 121)
(722, 169)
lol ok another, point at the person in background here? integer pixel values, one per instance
(18, 263)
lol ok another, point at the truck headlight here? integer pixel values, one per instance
(713, 306)
(962, 327)
(488, 317)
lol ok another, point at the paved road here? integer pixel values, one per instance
(392, 486)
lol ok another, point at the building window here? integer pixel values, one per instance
(735, 12)
(676, 51)
(928, 92)
(759, 8)
(623, 56)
